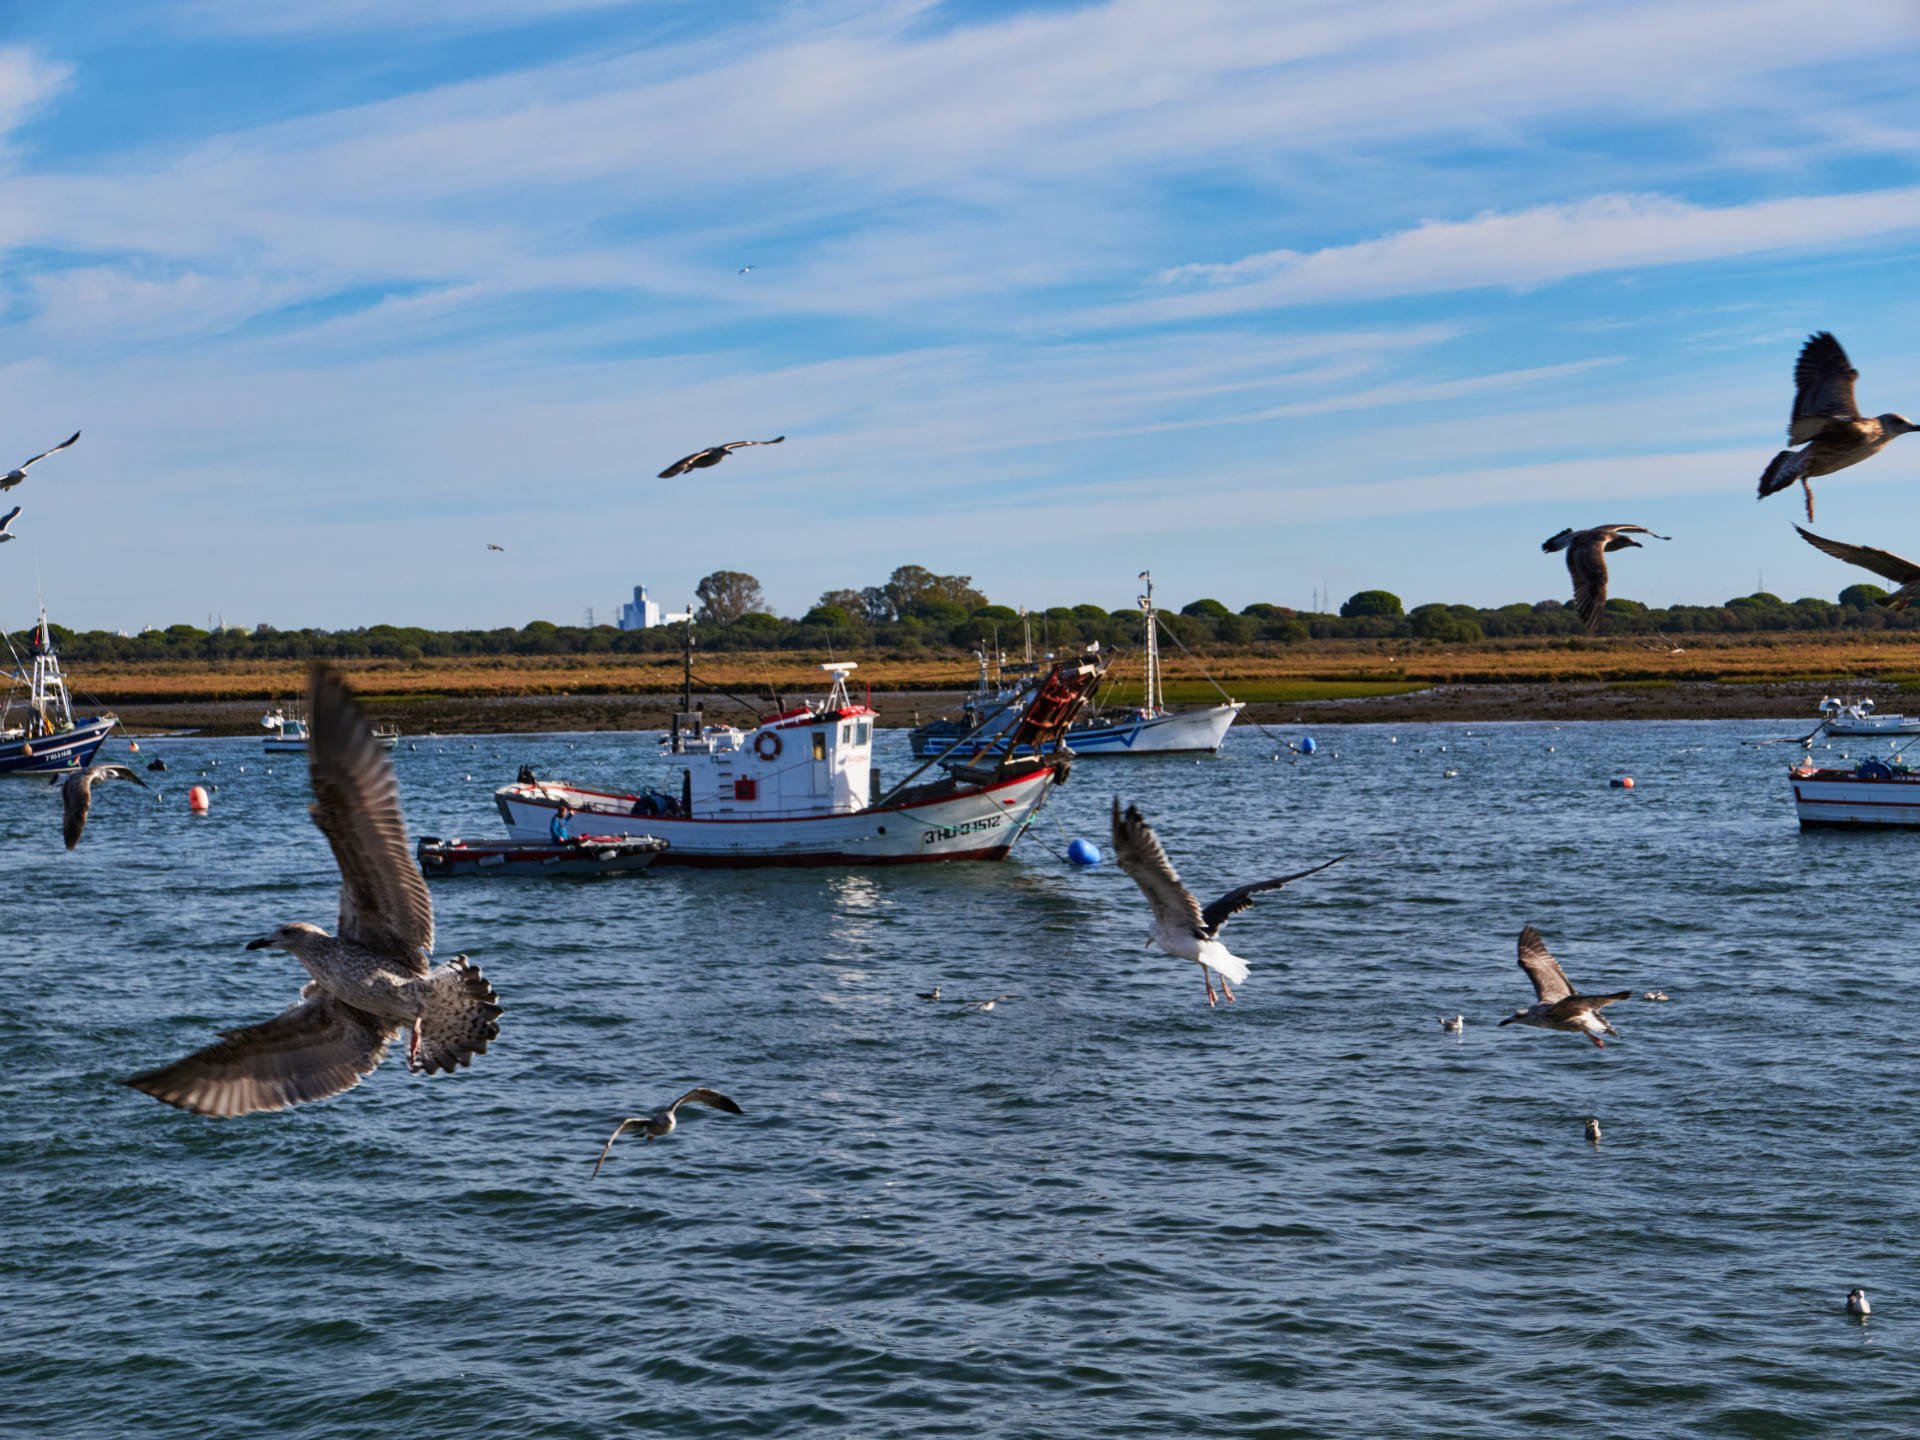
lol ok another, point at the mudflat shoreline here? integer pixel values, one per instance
(1555, 701)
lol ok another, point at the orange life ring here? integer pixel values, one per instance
(761, 743)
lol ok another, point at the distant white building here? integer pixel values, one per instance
(640, 613)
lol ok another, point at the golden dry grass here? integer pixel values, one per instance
(1320, 670)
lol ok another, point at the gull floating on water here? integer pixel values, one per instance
(933, 994)
(662, 1122)
(1857, 1302)
(1587, 563)
(76, 796)
(6, 525)
(712, 455)
(986, 1004)
(15, 476)
(1558, 1005)
(1881, 562)
(1180, 926)
(372, 980)
(1827, 418)
(1593, 1131)
(1656, 995)
(1456, 1026)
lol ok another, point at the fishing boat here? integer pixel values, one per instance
(1842, 717)
(1146, 729)
(1874, 793)
(290, 733)
(588, 855)
(800, 787)
(45, 739)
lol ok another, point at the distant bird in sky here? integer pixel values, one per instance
(662, 1122)
(76, 796)
(1558, 1006)
(1881, 562)
(14, 477)
(1180, 926)
(712, 455)
(1857, 1303)
(6, 525)
(1827, 419)
(492, 546)
(371, 982)
(745, 268)
(1587, 563)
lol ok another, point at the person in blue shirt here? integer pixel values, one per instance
(559, 828)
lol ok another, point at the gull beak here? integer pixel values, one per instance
(265, 942)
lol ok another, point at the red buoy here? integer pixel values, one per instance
(1625, 782)
(198, 800)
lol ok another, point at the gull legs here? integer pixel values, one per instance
(413, 1044)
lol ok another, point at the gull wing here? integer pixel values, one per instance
(1234, 901)
(76, 800)
(700, 1095)
(607, 1149)
(384, 905)
(1823, 388)
(1574, 1005)
(1550, 983)
(1880, 562)
(1588, 566)
(318, 1047)
(7, 519)
(1137, 850)
(687, 462)
(56, 449)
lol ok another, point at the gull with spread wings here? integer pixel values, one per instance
(1557, 1005)
(1180, 926)
(1587, 563)
(6, 525)
(1827, 420)
(662, 1122)
(371, 981)
(14, 476)
(1881, 562)
(712, 455)
(76, 796)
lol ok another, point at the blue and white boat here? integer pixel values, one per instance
(1148, 729)
(44, 738)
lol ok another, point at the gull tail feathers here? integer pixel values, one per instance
(1782, 471)
(462, 1015)
(1218, 958)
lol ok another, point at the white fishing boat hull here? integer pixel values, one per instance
(972, 823)
(1842, 799)
(1188, 732)
(1876, 725)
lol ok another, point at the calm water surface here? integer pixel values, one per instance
(1099, 1209)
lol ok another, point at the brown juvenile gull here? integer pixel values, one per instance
(6, 525)
(712, 455)
(15, 476)
(1828, 419)
(1587, 563)
(1558, 1005)
(371, 981)
(76, 796)
(1881, 562)
(1180, 926)
(662, 1122)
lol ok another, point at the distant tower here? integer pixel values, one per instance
(640, 613)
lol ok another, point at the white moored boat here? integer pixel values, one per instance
(1874, 792)
(1842, 718)
(800, 789)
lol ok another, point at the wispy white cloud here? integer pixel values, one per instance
(243, 17)
(27, 81)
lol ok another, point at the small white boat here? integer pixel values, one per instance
(589, 855)
(1873, 793)
(1857, 718)
(800, 789)
(290, 734)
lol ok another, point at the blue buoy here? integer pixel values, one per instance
(1083, 852)
(1307, 747)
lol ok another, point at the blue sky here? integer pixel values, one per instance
(1263, 297)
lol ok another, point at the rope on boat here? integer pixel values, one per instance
(1278, 739)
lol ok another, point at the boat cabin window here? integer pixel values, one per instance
(846, 734)
(819, 744)
(862, 732)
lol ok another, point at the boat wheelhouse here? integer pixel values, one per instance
(800, 788)
(45, 739)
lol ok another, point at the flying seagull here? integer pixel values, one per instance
(1880, 562)
(662, 1122)
(76, 796)
(745, 268)
(712, 455)
(1587, 563)
(1180, 926)
(1558, 1006)
(6, 525)
(14, 477)
(371, 982)
(1827, 419)
(492, 546)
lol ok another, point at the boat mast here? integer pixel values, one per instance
(1155, 701)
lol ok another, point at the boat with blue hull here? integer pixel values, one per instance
(38, 735)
